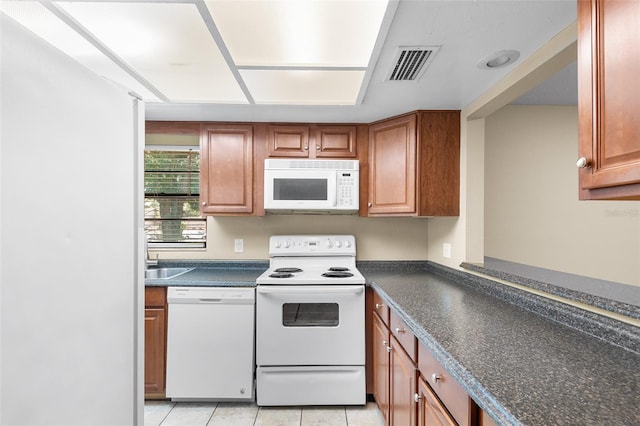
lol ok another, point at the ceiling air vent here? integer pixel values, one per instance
(411, 62)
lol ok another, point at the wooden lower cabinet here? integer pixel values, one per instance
(410, 386)
(380, 370)
(430, 409)
(403, 387)
(155, 342)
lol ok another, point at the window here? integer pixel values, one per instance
(171, 198)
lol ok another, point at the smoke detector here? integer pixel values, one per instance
(411, 62)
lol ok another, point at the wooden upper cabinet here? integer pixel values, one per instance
(288, 141)
(609, 98)
(226, 169)
(414, 165)
(334, 141)
(312, 141)
(392, 167)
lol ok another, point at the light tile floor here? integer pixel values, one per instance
(167, 413)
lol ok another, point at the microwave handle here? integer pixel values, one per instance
(333, 194)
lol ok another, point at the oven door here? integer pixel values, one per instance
(310, 325)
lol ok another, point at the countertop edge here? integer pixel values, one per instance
(596, 326)
(610, 305)
(485, 400)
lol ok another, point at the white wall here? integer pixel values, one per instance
(532, 212)
(71, 306)
(376, 238)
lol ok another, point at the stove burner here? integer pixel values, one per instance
(337, 274)
(338, 269)
(281, 275)
(288, 270)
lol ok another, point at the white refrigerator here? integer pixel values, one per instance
(71, 254)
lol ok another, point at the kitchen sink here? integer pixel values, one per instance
(165, 273)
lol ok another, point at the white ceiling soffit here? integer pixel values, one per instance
(287, 52)
(47, 25)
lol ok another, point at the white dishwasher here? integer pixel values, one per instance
(210, 343)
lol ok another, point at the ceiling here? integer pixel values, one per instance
(228, 59)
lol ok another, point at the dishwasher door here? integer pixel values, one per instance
(210, 343)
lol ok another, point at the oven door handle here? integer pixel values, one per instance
(312, 290)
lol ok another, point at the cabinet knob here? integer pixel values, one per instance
(204, 203)
(582, 163)
(317, 147)
(436, 377)
(306, 148)
(379, 305)
(389, 348)
(416, 397)
(369, 204)
(385, 343)
(401, 330)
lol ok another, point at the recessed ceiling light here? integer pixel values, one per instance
(499, 59)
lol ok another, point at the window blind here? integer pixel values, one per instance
(172, 190)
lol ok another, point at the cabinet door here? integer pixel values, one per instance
(448, 390)
(392, 167)
(380, 343)
(609, 98)
(288, 141)
(334, 141)
(403, 387)
(226, 169)
(430, 410)
(154, 352)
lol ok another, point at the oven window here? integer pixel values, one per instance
(300, 189)
(310, 315)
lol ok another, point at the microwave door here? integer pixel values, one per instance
(296, 189)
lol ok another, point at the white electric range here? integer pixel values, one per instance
(310, 347)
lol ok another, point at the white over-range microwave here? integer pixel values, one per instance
(311, 186)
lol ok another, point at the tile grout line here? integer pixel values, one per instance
(173, 405)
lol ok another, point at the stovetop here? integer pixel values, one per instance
(312, 260)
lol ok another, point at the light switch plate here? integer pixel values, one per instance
(238, 246)
(446, 250)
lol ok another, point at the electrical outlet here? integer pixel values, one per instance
(446, 250)
(238, 246)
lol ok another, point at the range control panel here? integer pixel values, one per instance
(312, 245)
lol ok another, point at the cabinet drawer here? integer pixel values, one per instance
(446, 388)
(401, 332)
(155, 297)
(381, 308)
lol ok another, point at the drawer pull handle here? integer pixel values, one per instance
(417, 397)
(379, 305)
(400, 330)
(436, 377)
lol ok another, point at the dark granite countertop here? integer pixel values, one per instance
(211, 274)
(523, 358)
